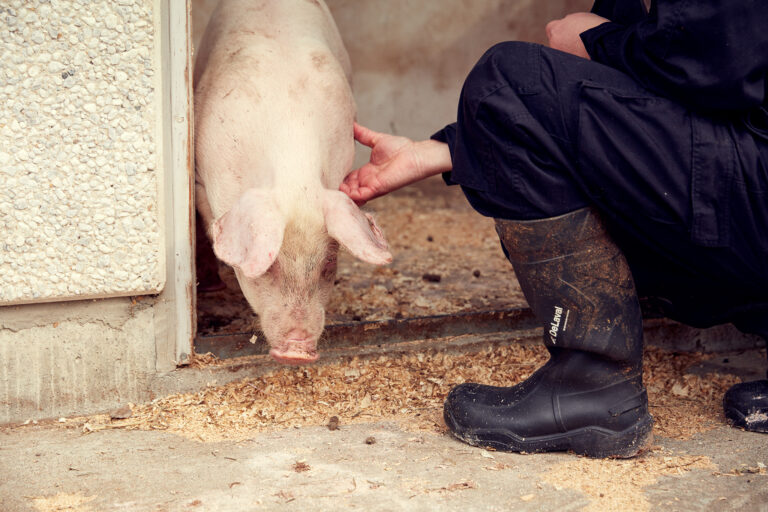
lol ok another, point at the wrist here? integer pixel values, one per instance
(433, 157)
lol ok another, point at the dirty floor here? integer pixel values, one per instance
(365, 432)
(248, 446)
(374, 466)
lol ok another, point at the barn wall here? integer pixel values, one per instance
(80, 150)
(410, 61)
(89, 206)
(68, 359)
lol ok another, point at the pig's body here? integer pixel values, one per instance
(273, 140)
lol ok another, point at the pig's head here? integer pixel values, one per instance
(285, 261)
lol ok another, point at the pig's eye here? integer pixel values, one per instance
(274, 270)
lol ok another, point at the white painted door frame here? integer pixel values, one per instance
(175, 340)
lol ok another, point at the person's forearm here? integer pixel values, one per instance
(434, 157)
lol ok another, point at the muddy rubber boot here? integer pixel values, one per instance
(589, 397)
(746, 405)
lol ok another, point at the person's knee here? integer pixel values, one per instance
(512, 64)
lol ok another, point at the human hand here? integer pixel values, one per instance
(394, 163)
(563, 34)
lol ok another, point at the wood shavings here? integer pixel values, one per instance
(683, 404)
(499, 466)
(407, 388)
(122, 413)
(203, 360)
(617, 485)
(61, 502)
(760, 469)
(355, 391)
(461, 486)
(458, 486)
(285, 496)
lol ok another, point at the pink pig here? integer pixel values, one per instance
(274, 117)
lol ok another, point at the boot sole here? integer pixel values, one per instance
(591, 441)
(757, 421)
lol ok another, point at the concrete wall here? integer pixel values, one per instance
(80, 150)
(89, 204)
(68, 359)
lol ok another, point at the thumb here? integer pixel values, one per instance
(366, 136)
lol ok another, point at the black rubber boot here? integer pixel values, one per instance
(746, 405)
(589, 397)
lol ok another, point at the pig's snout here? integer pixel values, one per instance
(298, 347)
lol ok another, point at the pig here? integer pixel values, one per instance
(274, 116)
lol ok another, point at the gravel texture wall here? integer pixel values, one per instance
(79, 150)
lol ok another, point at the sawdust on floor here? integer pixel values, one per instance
(409, 388)
(63, 502)
(626, 479)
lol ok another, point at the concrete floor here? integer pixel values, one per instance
(371, 467)
(56, 467)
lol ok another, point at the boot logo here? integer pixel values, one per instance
(554, 326)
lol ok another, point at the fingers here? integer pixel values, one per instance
(365, 135)
(355, 192)
(549, 29)
(565, 34)
(350, 183)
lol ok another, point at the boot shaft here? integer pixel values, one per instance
(578, 283)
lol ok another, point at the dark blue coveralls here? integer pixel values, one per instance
(665, 131)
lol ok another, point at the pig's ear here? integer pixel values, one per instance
(249, 235)
(354, 229)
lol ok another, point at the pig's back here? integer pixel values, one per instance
(236, 23)
(272, 86)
